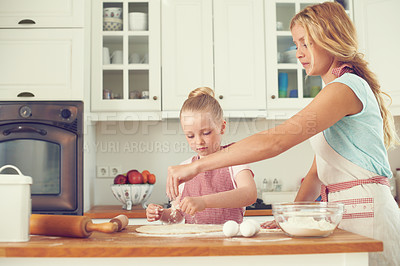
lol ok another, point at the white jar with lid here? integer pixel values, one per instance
(16, 205)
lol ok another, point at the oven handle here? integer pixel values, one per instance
(23, 129)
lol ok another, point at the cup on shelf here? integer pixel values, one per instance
(137, 21)
(293, 94)
(289, 55)
(106, 94)
(117, 57)
(314, 91)
(112, 12)
(134, 58)
(145, 94)
(112, 24)
(134, 94)
(283, 81)
(145, 59)
(279, 57)
(279, 25)
(106, 56)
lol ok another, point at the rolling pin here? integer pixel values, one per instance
(73, 226)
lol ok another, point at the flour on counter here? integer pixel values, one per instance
(307, 226)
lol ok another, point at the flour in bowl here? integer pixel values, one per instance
(307, 226)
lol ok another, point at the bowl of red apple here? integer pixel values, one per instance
(133, 188)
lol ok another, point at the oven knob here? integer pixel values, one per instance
(25, 111)
(65, 113)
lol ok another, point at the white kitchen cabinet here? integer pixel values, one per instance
(42, 50)
(219, 44)
(187, 49)
(239, 54)
(41, 13)
(131, 83)
(289, 89)
(41, 64)
(377, 24)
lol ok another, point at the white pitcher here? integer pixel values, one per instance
(116, 57)
(106, 56)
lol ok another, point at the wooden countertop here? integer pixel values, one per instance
(128, 243)
(110, 211)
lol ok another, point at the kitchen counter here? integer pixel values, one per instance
(341, 247)
(110, 211)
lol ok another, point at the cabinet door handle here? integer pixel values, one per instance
(27, 21)
(26, 94)
(155, 98)
(273, 96)
(221, 97)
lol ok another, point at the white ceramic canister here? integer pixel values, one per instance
(138, 21)
(16, 205)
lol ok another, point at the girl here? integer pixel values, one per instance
(348, 124)
(212, 197)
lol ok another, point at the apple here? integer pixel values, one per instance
(145, 175)
(120, 179)
(151, 179)
(135, 177)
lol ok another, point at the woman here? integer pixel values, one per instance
(348, 124)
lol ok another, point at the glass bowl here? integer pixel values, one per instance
(132, 194)
(308, 219)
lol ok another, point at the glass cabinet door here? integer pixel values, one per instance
(127, 40)
(292, 81)
(288, 86)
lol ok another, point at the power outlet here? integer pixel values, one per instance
(103, 171)
(115, 170)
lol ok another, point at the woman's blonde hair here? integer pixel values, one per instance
(202, 100)
(328, 26)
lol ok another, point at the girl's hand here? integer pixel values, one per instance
(154, 212)
(269, 225)
(176, 176)
(191, 205)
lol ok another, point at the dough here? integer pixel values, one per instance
(174, 209)
(176, 229)
(265, 230)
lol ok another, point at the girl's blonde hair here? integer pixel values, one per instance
(328, 26)
(202, 100)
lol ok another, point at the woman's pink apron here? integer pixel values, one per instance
(211, 182)
(370, 209)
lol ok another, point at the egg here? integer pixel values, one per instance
(256, 224)
(230, 228)
(248, 228)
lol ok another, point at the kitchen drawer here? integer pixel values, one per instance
(41, 13)
(41, 64)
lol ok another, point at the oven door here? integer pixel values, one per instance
(48, 154)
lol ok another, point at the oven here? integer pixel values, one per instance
(45, 141)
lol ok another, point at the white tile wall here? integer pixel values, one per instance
(156, 145)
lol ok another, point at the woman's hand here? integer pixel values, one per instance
(191, 205)
(154, 212)
(269, 225)
(176, 176)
